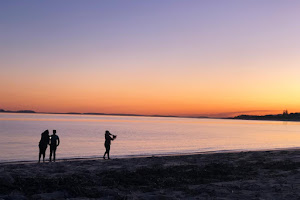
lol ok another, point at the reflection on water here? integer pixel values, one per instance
(83, 135)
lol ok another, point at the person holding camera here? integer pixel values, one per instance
(107, 143)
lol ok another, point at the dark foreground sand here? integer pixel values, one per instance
(244, 175)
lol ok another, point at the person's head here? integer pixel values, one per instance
(45, 133)
(107, 132)
(54, 132)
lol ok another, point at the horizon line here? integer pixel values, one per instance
(238, 113)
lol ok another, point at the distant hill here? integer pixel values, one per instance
(25, 111)
(136, 115)
(279, 117)
(18, 111)
(114, 114)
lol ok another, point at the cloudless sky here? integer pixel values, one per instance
(214, 57)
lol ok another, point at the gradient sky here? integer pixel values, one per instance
(214, 57)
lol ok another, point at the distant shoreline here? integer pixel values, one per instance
(279, 117)
(294, 117)
(110, 114)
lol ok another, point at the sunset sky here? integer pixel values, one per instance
(214, 58)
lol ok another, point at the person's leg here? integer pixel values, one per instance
(108, 149)
(54, 152)
(40, 155)
(105, 145)
(44, 154)
(50, 154)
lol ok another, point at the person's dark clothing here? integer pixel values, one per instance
(52, 151)
(54, 142)
(43, 144)
(107, 143)
(43, 147)
(108, 139)
(107, 147)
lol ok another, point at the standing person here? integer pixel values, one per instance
(43, 144)
(107, 143)
(54, 142)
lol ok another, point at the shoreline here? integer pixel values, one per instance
(268, 174)
(70, 159)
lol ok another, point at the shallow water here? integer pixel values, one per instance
(83, 135)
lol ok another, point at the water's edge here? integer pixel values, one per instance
(70, 159)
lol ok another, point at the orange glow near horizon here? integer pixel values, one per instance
(178, 95)
(186, 91)
(226, 93)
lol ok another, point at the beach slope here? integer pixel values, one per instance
(242, 175)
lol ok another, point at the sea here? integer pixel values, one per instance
(82, 136)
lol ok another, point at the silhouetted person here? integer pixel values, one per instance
(107, 143)
(54, 142)
(43, 144)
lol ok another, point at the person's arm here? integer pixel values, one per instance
(112, 138)
(57, 140)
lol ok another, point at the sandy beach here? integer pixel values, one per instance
(242, 175)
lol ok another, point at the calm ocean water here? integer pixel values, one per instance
(83, 135)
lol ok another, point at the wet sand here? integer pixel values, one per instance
(240, 175)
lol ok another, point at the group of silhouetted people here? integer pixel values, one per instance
(53, 141)
(46, 140)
